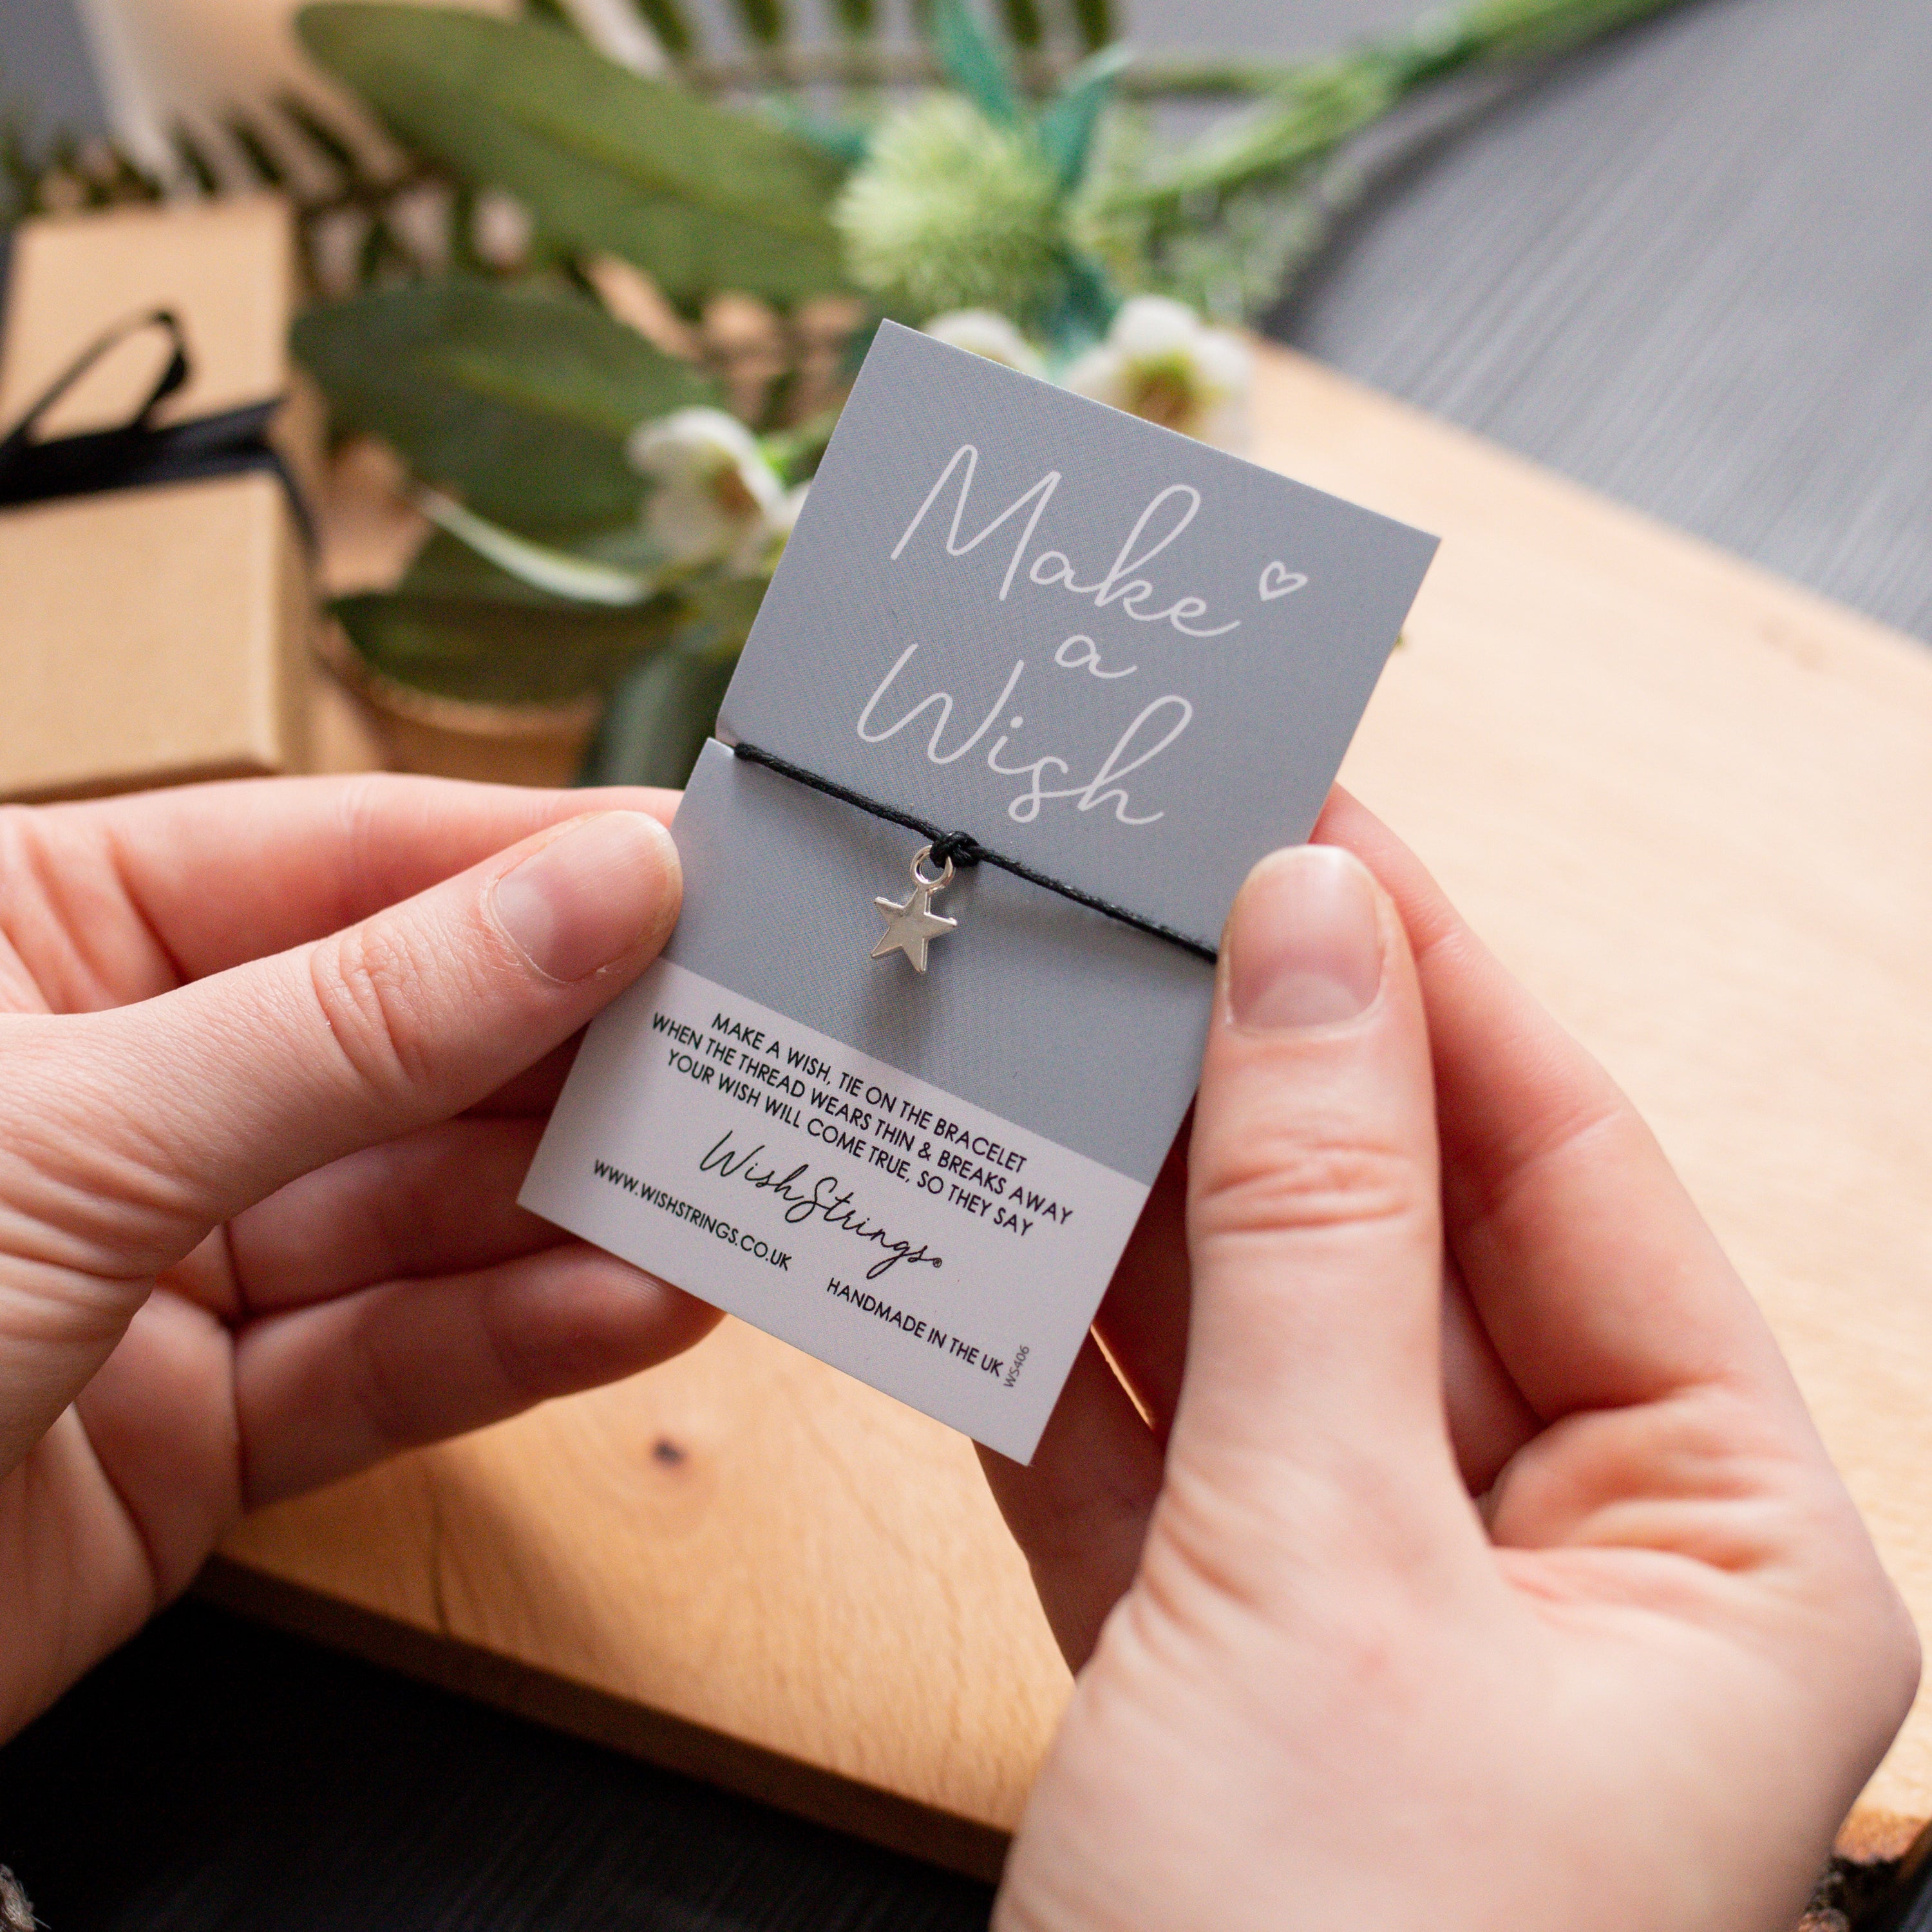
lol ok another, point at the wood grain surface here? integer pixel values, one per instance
(1690, 804)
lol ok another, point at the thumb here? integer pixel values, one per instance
(1312, 1415)
(207, 1099)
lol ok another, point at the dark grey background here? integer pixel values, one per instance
(43, 66)
(1692, 268)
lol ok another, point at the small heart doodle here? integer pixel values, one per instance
(1277, 581)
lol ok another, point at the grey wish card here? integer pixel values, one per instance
(1121, 661)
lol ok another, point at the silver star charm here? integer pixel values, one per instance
(911, 925)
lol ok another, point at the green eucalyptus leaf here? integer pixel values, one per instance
(564, 574)
(848, 141)
(1314, 111)
(445, 568)
(702, 197)
(719, 612)
(518, 399)
(500, 653)
(1066, 128)
(973, 61)
(1082, 306)
(379, 249)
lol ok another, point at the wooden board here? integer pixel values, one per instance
(1691, 805)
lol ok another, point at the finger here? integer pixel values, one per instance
(310, 855)
(221, 1092)
(1143, 1319)
(441, 1201)
(321, 1392)
(1142, 1325)
(162, 1430)
(1589, 1266)
(1312, 1415)
(1079, 1512)
(534, 1091)
(1489, 1419)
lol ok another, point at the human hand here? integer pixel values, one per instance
(276, 1056)
(1476, 1562)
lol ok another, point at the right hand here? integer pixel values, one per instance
(1596, 1640)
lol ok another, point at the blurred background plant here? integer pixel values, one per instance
(601, 279)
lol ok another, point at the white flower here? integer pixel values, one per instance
(759, 556)
(1162, 362)
(989, 333)
(716, 497)
(784, 520)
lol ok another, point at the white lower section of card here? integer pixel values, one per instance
(913, 1240)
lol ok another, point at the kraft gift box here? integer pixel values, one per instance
(159, 634)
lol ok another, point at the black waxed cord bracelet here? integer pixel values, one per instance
(961, 848)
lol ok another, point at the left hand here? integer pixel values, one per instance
(276, 1056)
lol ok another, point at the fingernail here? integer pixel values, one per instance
(590, 895)
(1305, 941)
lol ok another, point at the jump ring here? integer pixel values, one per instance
(920, 877)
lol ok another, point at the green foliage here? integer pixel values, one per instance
(965, 199)
(952, 210)
(495, 653)
(459, 627)
(700, 197)
(1031, 185)
(672, 26)
(663, 709)
(1223, 221)
(974, 62)
(1067, 127)
(1319, 107)
(519, 399)
(1239, 266)
(1025, 187)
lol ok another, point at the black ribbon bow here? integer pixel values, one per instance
(140, 452)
